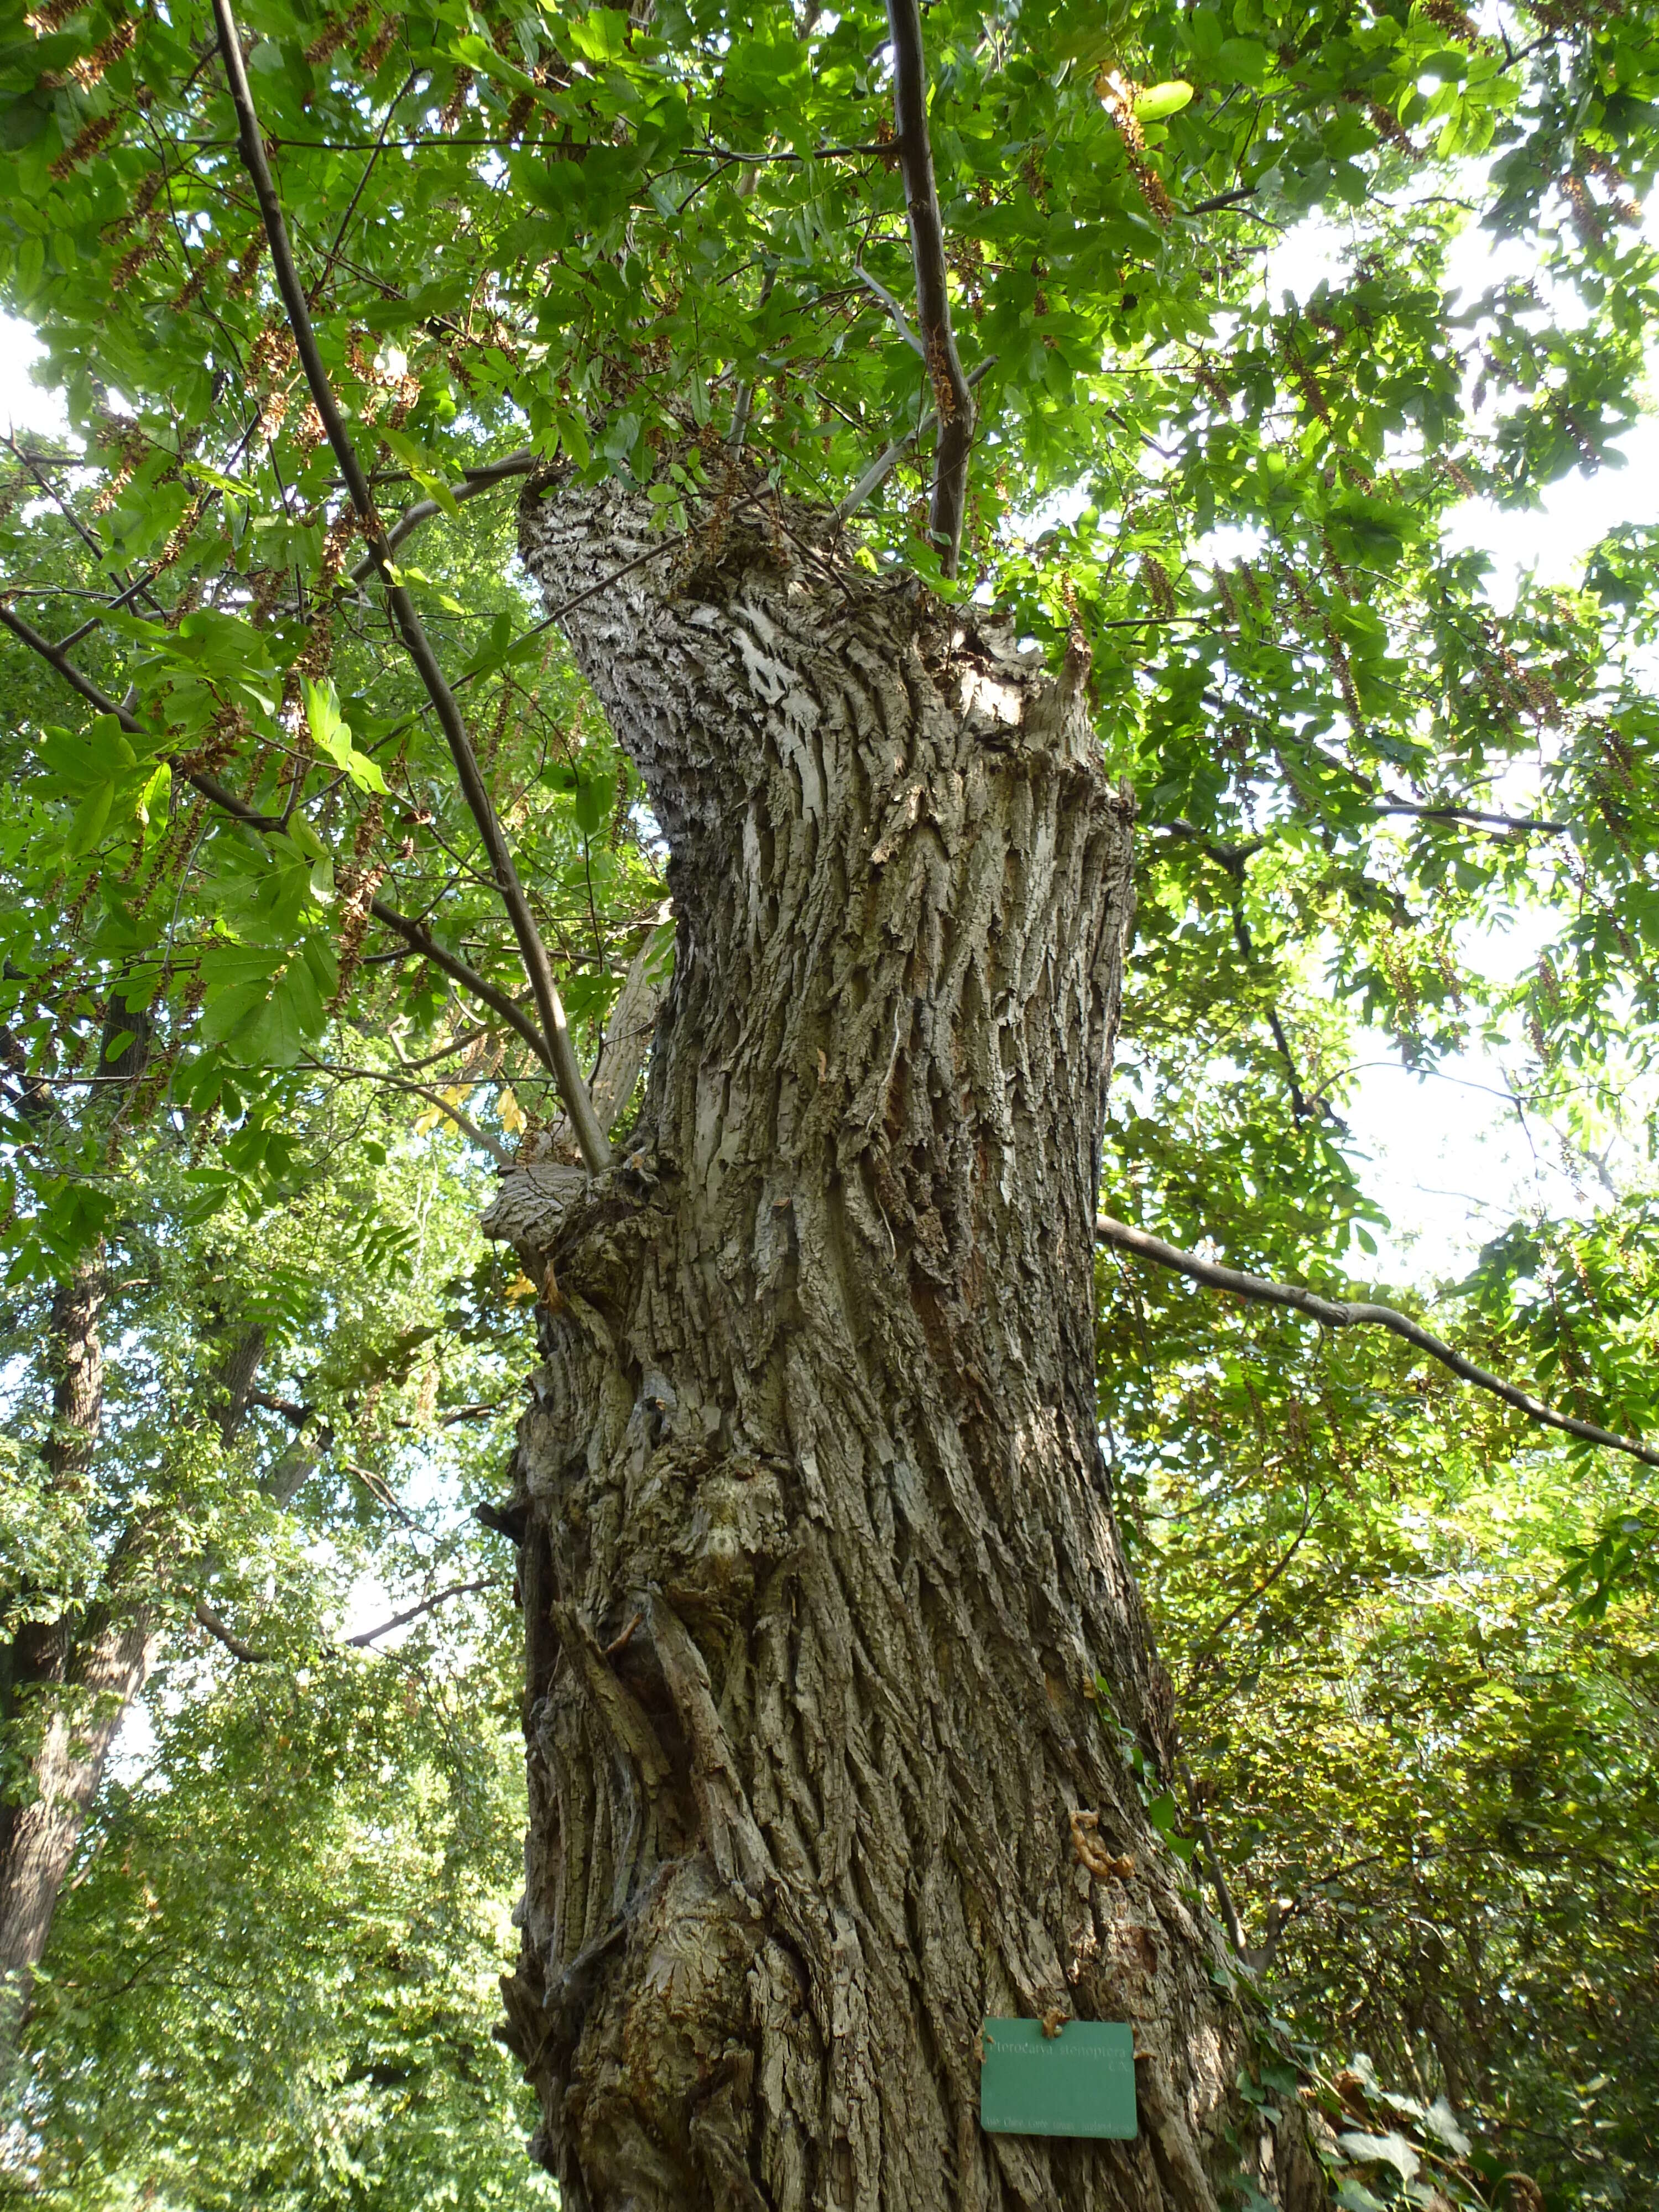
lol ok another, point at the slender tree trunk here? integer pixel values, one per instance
(65, 1684)
(828, 1630)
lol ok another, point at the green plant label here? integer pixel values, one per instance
(1079, 2082)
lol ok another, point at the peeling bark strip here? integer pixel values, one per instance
(818, 1570)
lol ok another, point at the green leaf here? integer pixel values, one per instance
(332, 738)
(90, 817)
(1159, 101)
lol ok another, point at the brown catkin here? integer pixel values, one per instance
(143, 201)
(335, 33)
(44, 21)
(342, 530)
(1159, 590)
(1117, 95)
(131, 444)
(356, 885)
(205, 265)
(1446, 16)
(89, 70)
(149, 248)
(1306, 382)
(380, 47)
(455, 106)
(180, 535)
(247, 266)
(85, 143)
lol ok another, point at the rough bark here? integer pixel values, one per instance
(819, 1571)
(64, 1683)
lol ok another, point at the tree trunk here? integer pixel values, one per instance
(65, 1684)
(830, 1634)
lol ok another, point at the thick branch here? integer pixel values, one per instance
(290, 1408)
(952, 396)
(1342, 1315)
(218, 1627)
(566, 1071)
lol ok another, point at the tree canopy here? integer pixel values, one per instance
(270, 1017)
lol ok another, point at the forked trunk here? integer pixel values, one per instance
(819, 1571)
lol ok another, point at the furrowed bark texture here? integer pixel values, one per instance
(66, 1682)
(818, 1569)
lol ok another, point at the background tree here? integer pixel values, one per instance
(825, 1325)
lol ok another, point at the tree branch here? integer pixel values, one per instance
(566, 1071)
(952, 396)
(400, 1620)
(1222, 200)
(1336, 1314)
(290, 1409)
(435, 1099)
(1471, 814)
(884, 298)
(884, 464)
(419, 936)
(216, 1627)
(484, 477)
(209, 785)
(414, 933)
(1212, 1858)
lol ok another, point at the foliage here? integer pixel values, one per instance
(284, 1944)
(1414, 1645)
(282, 1932)
(1427, 1770)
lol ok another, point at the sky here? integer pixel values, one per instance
(1450, 1158)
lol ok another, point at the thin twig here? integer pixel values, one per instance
(464, 1121)
(567, 1072)
(743, 398)
(401, 1619)
(333, 255)
(1211, 1859)
(880, 292)
(1341, 1315)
